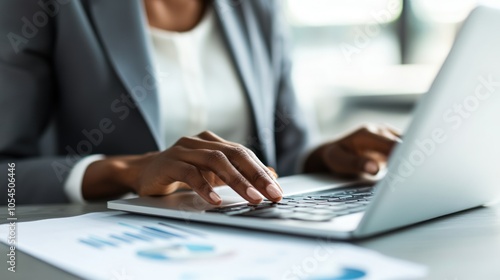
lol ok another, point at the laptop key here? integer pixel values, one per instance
(272, 212)
(318, 211)
(306, 205)
(363, 193)
(338, 207)
(307, 201)
(321, 206)
(227, 209)
(310, 207)
(236, 212)
(231, 210)
(285, 206)
(262, 206)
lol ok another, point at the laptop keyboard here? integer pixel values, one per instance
(316, 207)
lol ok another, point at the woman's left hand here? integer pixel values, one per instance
(364, 151)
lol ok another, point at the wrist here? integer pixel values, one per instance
(111, 177)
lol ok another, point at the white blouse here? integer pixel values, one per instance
(199, 86)
(198, 90)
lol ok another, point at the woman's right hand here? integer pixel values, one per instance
(199, 163)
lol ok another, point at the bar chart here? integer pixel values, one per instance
(102, 245)
(131, 234)
(158, 241)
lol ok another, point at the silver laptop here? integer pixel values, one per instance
(449, 161)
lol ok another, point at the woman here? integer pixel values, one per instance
(126, 85)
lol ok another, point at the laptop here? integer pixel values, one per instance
(449, 161)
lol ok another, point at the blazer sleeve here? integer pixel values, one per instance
(293, 137)
(27, 99)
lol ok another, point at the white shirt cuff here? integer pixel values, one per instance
(73, 184)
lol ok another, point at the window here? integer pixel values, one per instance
(353, 46)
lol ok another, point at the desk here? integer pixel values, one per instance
(460, 246)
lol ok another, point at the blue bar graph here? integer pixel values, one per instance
(135, 233)
(90, 243)
(180, 251)
(156, 241)
(347, 273)
(102, 241)
(120, 238)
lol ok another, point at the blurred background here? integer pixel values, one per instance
(368, 60)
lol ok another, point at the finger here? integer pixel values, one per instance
(210, 136)
(189, 174)
(216, 161)
(255, 171)
(344, 162)
(207, 135)
(237, 157)
(163, 189)
(384, 131)
(181, 186)
(395, 131)
(213, 179)
(273, 172)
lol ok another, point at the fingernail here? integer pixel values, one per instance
(254, 194)
(215, 197)
(273, 191)
(371, 167)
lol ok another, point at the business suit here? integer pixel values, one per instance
(89, 71)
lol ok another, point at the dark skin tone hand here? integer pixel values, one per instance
(363, 151)
(199, 163)
(205, 161)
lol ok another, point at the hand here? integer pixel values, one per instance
(364, 151)
(198, 163)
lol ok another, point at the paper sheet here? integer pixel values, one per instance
(119, 246)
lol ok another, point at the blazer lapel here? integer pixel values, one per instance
(232, 22)
(121, 27)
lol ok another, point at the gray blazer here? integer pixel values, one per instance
(80, 72)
